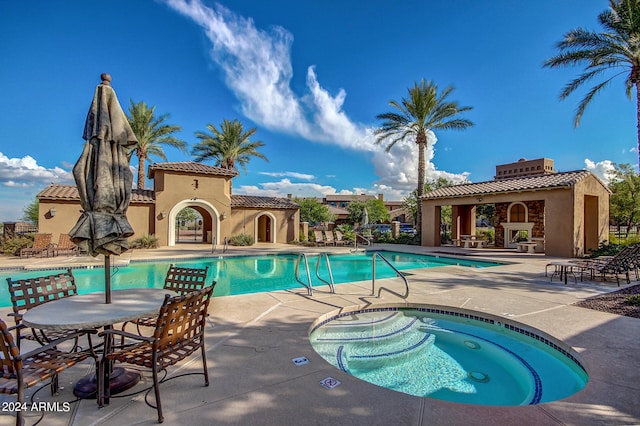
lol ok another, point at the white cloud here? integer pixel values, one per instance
(603, 169)
(25, 172)
(295, 175)
(258, 69)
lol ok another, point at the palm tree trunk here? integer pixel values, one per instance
(141, 177)
(421, 164)
(638, 118)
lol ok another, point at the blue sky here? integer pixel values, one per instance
(311, 77)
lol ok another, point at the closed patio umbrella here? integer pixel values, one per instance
(104, 179)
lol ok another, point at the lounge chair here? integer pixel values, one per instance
(41, 246)
(328, 235)
(319, 238)
(179, 332)
(626, 260)
(339, 240)
(64, 245)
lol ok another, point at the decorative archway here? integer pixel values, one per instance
(265, 228)
(201, 205)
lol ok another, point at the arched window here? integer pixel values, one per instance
(517, 213)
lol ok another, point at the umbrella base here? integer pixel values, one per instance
(120, 381)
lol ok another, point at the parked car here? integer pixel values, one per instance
(407, 228)
(381, 228)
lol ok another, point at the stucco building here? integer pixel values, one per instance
(568, 212)
(179, 185)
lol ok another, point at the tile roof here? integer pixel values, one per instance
(70, 192)
(342, 197)
(190, 167)
(529, 183)
(250, 201)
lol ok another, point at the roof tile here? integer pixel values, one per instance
(190, 167)
(70, 192)
(529, 183)
(249, 201)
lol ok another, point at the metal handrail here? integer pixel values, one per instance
(309, 286)
(373, 277)
(329, 283)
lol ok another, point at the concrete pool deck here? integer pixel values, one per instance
(252, 339)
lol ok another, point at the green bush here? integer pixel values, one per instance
(605, 249)
(633, 300)
(13, 245)
(241, 240)
(147, 241)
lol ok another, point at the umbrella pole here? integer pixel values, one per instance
(107, 279)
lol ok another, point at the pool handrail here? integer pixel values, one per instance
(377, 254)
(309, 285)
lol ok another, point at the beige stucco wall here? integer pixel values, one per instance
(68, 213)
(564, 215)
(248, 221)
(206, 193)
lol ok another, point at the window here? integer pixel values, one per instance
(517, 213)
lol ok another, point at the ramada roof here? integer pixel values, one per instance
(70, 193)
(250, 201)
(190, 167)
(528, 183)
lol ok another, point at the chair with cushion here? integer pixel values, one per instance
(41, 246)
(22, 371)
(179, 332)
(178, 279)
(31, 292)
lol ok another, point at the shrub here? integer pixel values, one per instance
(147, 241)
(633, 300)
(241, 240)
(606, 249)
(13, 245)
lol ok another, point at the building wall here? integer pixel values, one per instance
(249, 221)
(140, 217)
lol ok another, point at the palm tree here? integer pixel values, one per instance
(616, 49)
(425, 110)
(152, 133)
(229, 147)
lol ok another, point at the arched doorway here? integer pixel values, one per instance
(265, 228)
(210, 222)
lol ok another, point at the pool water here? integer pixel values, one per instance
(450, 357)
(246, 274)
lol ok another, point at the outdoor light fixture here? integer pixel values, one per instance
(52, 212)
(292, 217)
(224, 216)
(479, 199)
(163, 214)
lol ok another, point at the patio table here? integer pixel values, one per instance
(89, 311)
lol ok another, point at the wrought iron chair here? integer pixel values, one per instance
(179, 332)
(31, 292)
(22, 371)
(178, 279)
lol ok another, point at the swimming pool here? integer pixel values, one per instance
(449, 354)
(246, 274)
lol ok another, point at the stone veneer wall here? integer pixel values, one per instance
(535, 210)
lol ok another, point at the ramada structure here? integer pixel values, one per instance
(567, 212)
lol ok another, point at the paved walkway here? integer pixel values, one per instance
(253, 338)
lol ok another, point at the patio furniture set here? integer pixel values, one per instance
(60, 320)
